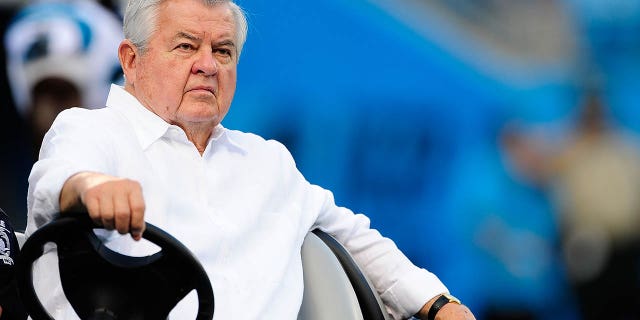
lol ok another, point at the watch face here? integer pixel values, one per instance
(452, 298)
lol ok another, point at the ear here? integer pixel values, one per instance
(128, 55)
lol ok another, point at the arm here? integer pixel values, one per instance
(403, 287)
(112, 202)
(80, 144)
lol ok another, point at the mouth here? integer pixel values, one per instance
(203, 89)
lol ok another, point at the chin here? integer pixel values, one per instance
(199, 113)
(201, 119)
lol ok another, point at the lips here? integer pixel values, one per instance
(203, 88)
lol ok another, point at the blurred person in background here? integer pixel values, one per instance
(60, 55)
(593, 179)
(16, 160)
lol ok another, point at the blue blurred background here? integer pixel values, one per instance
(398, 107)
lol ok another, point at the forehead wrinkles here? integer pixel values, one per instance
(216, 20)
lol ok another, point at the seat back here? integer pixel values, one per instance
(334, 286)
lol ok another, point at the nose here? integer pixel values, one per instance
(205, 64)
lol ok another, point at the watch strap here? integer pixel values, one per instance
(439, 303)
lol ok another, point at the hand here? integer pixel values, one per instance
(112, 202)
(454, 311)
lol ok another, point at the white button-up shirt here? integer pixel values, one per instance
(241, 207)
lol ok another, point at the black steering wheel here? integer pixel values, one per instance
(100, 283)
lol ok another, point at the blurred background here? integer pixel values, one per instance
(494, 140)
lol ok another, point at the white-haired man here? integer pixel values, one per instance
(158, 153)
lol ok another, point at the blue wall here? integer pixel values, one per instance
(405, 132)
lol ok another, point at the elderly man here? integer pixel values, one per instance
(158, 153)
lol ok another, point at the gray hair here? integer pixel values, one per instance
(140, 21)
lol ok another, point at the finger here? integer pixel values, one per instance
(122, 213)
(93, 208)
(137, 206)
(106, 211)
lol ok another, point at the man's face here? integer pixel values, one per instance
(187, 76)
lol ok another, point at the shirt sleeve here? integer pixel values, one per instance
(403, 287)
(72, 145)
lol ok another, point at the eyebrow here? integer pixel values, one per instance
(187, 36)
(229, 43)
(191, 37)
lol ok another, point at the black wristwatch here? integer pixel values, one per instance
(439, 303)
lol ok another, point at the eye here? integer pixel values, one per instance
(222, 51)
(185, 47)
(224, 55)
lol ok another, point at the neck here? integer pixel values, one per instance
(198, 135)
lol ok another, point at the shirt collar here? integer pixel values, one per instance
(148, 126)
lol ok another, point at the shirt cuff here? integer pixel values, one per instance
(409, 294)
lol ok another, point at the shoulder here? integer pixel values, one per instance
(257, 146)
(84, 114)
(86, 124)
(252, 141)
(78, 117)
